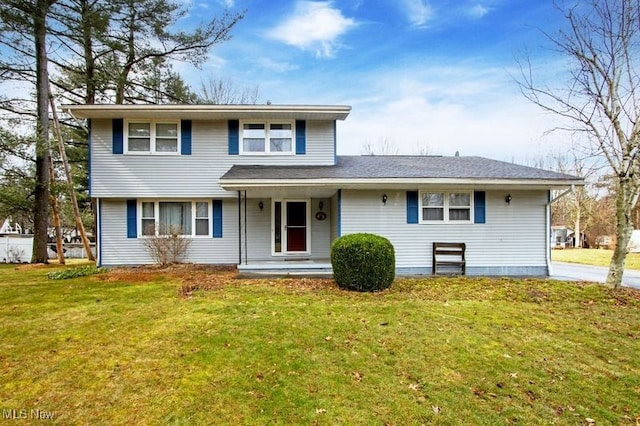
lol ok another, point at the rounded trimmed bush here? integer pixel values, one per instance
(363, 262)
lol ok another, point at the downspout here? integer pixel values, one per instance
(99, 236)
(239, 229)
(548, 224)
(246, 260)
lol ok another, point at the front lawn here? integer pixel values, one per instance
(138, 347)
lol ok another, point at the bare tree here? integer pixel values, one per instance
(424, 149)
(574, 208)
(601, 98)
(383, 146)
(224, 92)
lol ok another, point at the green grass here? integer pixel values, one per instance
(597, 257)
(127, 350)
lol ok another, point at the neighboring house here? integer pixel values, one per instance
(261, 186)
(563, 237)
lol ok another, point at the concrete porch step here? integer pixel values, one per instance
(286, 268)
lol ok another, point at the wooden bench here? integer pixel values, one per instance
(448, 259)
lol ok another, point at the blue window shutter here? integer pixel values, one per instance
(117, 127)
(234, 137)
(412, 206)
(132, 221)
(185, 135)
(301, 137)
(217, 219)
(479, 208)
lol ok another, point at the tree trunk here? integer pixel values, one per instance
(626, 198)
(41, 192)
(87, 45)
(578, 232)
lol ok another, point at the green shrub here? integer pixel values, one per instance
(81, 271)
(363, 262)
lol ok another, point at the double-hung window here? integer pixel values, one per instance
(149, 137)
(190, 218)
(267, 138)
(441, 206)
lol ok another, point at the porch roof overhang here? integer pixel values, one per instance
(393, 172)
(327, 187)
(210, 112)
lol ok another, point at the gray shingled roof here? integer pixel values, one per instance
(399, 166)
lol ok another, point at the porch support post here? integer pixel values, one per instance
(246, 260)
(239, 230)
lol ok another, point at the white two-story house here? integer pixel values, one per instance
(261, 186)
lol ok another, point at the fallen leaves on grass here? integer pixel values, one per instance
(194, 277)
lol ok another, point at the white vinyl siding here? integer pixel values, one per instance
(117, 249)
(189, 176)
(512, 237)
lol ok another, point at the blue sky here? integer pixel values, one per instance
(432, 75)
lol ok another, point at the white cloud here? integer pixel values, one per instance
(419, 12)
(277, 66)
(227, 3)
(314, 26)
(478, 11)
(472, 110)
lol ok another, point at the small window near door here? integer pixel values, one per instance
(277, 227)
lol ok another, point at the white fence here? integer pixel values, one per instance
(16, 248)
(72, 251)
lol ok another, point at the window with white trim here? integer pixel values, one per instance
(441, 206)
(190, 218)
(151, 137)
(267, 137)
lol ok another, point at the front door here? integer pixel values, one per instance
(290, 225)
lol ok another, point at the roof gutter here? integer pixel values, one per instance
(373, 183)
(337, 112)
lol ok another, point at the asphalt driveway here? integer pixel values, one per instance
(577, 272)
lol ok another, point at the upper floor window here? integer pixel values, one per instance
(152, 137)
(267, 138)
(446, 207)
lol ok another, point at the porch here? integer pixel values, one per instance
(286, 232)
